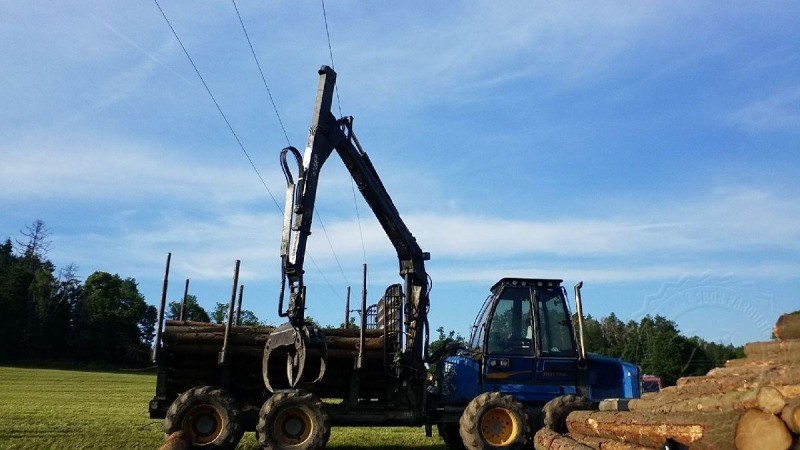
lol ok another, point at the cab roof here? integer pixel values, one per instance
(527, 282)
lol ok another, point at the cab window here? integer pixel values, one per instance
(479, 327)
(554, 324)
(511, 327)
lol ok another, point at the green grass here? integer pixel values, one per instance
(65, 409)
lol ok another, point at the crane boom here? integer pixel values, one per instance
(327, 134)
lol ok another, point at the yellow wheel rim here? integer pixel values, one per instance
(293, 426)
(499, 426)
(203, 424)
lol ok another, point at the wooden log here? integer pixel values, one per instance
(695, 430)
(751, 370)
(766, 350)
(598, 443)
(771, 376)
(249, 339)
(787, 360)
(791, 416)
(759, 430)
(790, 392)
(766, 398)
(546, 439)
(788, 326)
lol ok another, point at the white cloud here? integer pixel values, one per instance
(778, 111)
(92, 167)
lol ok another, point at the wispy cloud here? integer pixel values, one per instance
(779, 111)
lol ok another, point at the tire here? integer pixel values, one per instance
(209, 417)
(450, 435)
(556, 411)
(293, 421)
(494, 421)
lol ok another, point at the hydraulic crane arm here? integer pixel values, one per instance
(326, 135)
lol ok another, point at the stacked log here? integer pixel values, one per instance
(751, 403)
(191, 351)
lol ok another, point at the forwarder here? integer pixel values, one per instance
(523, 366)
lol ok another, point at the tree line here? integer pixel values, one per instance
(657, 346)
(49, 315)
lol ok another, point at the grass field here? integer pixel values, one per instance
(61, 409)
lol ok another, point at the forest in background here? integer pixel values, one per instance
(50, 316)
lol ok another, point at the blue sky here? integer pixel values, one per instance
(649, 149)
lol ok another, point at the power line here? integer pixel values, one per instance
(263, 78)
(330, 51)
(277, 114)
(339, 104)
(208, 90)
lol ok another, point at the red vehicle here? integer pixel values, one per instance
(651, 383)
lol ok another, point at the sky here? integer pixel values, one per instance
(649, 149)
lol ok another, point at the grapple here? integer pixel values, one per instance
(303, 348)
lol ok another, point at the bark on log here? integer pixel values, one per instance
(598, 443)
(546, 439)
(759, 430)
(751, 370)
(788, 327)
(791, 416)
(771, 376)
(695, 430)
(765, 350)
(788, 360)
(766, 398)
(255, 340)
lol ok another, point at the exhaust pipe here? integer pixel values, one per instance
(579, 310)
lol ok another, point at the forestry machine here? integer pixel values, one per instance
(524, 365)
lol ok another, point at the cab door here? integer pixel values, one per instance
(556, 365)
(510, 342)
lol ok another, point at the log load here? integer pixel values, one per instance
(191, 351)
(751, 403)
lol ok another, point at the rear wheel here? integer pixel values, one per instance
(494, 420)
(556, 411)
(450, 435)
(293, 421)
(209, 418)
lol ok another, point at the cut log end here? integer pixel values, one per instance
(791, 416)
(788, 327)
(759, 430)
(546, 439)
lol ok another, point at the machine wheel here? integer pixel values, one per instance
(208, 416)
(494, 420)
(293, 421)
(556, 411)
(450, 435)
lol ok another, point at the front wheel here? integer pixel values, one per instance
(293, 421)
(556, 411)
(494, 421)
(209, 418)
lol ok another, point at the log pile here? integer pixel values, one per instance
(751, 403)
